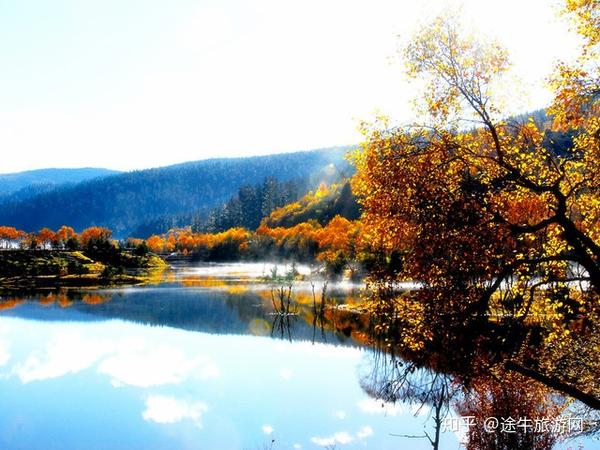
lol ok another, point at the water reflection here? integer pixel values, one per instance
(76, 379)
(219, 363)
(195, 309)
(178, 365)
(448, 368)
(393, 380)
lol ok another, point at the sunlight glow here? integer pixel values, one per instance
(132, 87)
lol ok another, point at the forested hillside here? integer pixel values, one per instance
(321, 206)
(22, 185)
(244, 209)
(124, 202)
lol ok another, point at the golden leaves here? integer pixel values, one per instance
(499, 226)
(459, 69)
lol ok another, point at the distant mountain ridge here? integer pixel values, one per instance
(124, 201)
(42, 179)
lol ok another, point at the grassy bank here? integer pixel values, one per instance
(42, 268)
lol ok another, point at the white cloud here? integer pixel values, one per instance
(4, 353)
(341, 437)
(364, 432)
(168, 410)
(321, 350)
(267, 429)
(297, 446)
(137, 364)
(66, 353)
(372, 406)
(130, 361)
(340, 415)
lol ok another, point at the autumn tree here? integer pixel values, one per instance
(67, 237)
(97, 244)
(46, 237)
(157, 244)
(10, 234)
(94, 235)
(489, 219)
(337, 243)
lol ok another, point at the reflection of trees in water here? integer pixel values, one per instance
(505, 397)
(10, 303)
(438, 363)
(64, 298)
(513, 397)
(318, 324)
(318, 311)
(198, 309)
(391, 379)
(282, 326)
(450, 361)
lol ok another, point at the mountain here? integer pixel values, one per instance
(245, 209)
(124, 201)
(32, 182)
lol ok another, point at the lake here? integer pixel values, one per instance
(199, 360)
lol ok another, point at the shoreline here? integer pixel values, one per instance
(23, 269)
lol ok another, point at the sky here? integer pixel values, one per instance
(131, 84)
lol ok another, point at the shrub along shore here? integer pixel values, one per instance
(66, 258)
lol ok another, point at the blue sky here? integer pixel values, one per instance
(131, 84)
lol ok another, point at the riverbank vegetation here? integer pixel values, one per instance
(500, 228)
(49, 258)
(321, 227)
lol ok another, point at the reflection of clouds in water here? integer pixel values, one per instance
(166, 410)
(373, 406)
(66, 353)
(340, 415)
(267, 429)
(4, 353)
(320, 349)
(364, 432)
(343, 437)
(119, 352)
(129, 361)
(137, 364)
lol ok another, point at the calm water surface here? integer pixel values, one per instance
(198, 361)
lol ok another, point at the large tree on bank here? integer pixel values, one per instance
(494, 222)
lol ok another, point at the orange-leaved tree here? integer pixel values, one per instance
(65, 233)
(46, 237)
(93, 235)
(8, 234)
(492, 220)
